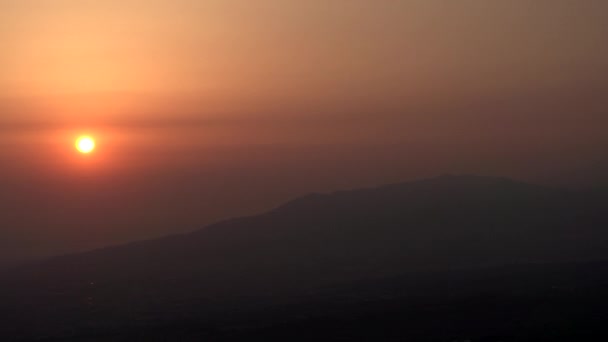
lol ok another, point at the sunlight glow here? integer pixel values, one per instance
(85, 144)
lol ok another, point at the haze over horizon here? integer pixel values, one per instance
(303, 170)
(209, 110)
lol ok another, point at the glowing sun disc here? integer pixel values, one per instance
(85, 144)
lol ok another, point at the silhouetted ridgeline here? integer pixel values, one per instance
(438, 259)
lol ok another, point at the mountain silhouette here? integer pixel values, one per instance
(445, 224)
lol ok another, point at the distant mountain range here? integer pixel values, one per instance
(446, 227)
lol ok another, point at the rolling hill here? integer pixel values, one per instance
(449, 226)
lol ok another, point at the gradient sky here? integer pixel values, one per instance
(208, 109)
(235, 54)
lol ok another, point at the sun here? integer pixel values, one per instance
(85, 144)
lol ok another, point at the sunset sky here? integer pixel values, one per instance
(242, 56)
(198, 106)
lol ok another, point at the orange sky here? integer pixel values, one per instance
(317, 52)
(276, 71)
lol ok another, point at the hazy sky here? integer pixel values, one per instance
(234, 54)
(326, 71)
(208, 109)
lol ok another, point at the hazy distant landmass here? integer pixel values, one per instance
(151, 151)
(443, 259)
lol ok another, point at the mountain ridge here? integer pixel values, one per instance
(439, 226)
(442, 199)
